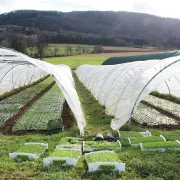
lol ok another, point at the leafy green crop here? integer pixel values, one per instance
(102, 145)
(70, 140)
(144, 114)
(107, 167)
(47, 108)
(124, 134)
(146, 139)
(102, 157)
(65, 153)
(31, 148)
(58, 162)
(164, 104)
(11, 105)
(167, 144)
(21, 157)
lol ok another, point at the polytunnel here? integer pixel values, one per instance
(145, 57)
(17, 69)
(121, 87)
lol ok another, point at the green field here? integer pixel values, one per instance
(94, 59)
(75, 61)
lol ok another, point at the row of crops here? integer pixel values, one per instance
(11, 105)
(46, 109)
(168, 106)
(145, 114)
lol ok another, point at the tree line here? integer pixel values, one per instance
(96, 27)
(41, 49)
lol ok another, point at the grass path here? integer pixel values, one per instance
(96, 118)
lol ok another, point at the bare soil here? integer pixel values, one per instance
(67, 117)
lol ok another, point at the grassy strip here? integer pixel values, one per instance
(146, 139)
(17, 90)
(96, 119)
(102, 157)
(65, 153)
(31, 148)
(168, 144)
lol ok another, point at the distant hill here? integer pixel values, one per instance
(127, 25)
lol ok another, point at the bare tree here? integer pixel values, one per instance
(56, 50)
(41, 46)
(83, 50)
(31, 49)
(19, 45)
(69, 50)
(78, 50)
(98, 49)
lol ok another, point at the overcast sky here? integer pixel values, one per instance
(165, 8)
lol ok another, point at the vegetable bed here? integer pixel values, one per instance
(104, 160)
(160, 146)
(100, 145)
(29, 151)
(149, 116)
(11, 105)
(136, 141)
(169, 106)
(63, 158)
(47, 108)
(70, 143)
(70, 140)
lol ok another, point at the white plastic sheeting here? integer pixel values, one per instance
(121, 87)
(170, 86)
(10, 60)
(16, 75)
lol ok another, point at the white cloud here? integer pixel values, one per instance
(144, 7)
(166, 8)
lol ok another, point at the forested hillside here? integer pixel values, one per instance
(94, 27)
